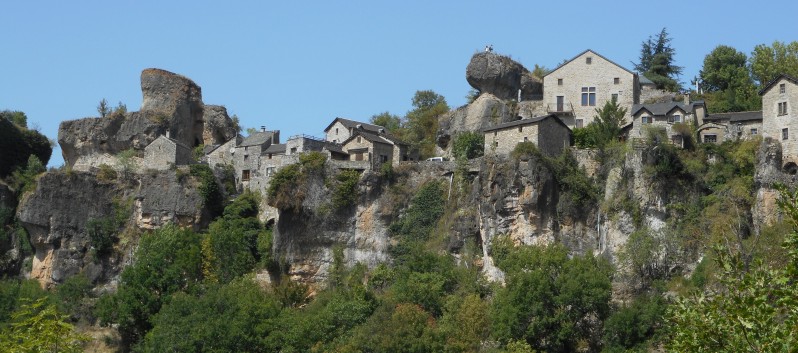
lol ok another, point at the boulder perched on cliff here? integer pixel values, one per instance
(219, 127)
(502, 77)
(17, 144)
(171, 103)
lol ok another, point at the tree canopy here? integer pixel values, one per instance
(657, 62)
(767, 62)
(727, 83)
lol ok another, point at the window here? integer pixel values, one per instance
(645, 119)
(520, 129)
(615, 97)
(589, 60)
(270, 156)
(616, 80)
(754, 132)
(559, 82)
(358, 139)
(359, 156)
(675, 118)
(526, 139)
(269, 171)
(782, 108)
(336, 131)
(710, 138)
(782, 88)
(293, 150)
(580, 123)
(246, 157)
(676, 140)
(588, 96)
(785, 133)
(383, 158)
(245, 175)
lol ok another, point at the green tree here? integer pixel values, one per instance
(469, 144)
(39, 327)
(727, 81)
(167, 261)
(103, 108)
(422, 121)
(387, 120)
(236, 317)
(540, 71)
(18, 118)
(767, 62)
(127, 161)
(751, 310)
(656, 62)
(608, 120)
(552, 302)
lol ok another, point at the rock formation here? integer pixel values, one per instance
(57, 213)
(502, 77)
(171, 103)
(218, 126)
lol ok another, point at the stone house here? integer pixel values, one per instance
(342, 129)
(304, 143)
(549, 133)
(222, 154)
(665, 115)
(576, 88)
(246, 158)
(364, 145)
(780, 116)
(164, 153)
(721, 127)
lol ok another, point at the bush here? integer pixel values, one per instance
(525, 150)
(208, 188)
(425, 209)
(106, 173)
(345, 192)
(469, 145)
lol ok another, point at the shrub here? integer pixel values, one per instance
(469, 145)
(106, 173)
(425, 209)
(345, 192)
(101, 235)
(208, 188)
(525, 150)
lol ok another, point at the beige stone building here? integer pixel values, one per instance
(666, 116)
(720, 127)
(576, 88)
(364, 145)
(780, 116)
(548, 133)
(164, 153)
(341, 129)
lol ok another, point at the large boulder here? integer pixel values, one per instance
(171, 103)
(179, 99)
(502, 77)
(219, 127)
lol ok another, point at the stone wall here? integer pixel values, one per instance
(601, 74)
(553, 138)
(338, 133)
(638, 130)
(772, 123)
(503, 141)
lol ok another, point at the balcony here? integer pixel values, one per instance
(560, 108)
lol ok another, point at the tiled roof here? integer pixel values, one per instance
(276, 148)
(257, 138)
(353, 124)
(735, 116)
(659, 109)
(525, 122)
(772, 82)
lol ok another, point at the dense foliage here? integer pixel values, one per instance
(19, 143)
(419, 127)
(657, 62)
(468, 145)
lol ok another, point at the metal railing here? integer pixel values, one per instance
(560, 108)
(309, 137)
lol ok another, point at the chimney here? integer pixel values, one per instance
(167, 133)
(687, 98)
(263, 128)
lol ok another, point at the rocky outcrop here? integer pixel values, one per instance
(768, 174)
(502, 77)
(57, 213)
(172, 103)
(218, 126)
(486, 111)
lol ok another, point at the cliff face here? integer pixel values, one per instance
(64, 210)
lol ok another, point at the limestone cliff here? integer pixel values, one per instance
(58, 213)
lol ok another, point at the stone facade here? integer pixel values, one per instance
(367, 147)
(780, 115)
(342, 129)
(595, 77)
(548, 133)
(165, 153)
(730, 126)
(247, 156)
(223, 154)
(666, 116)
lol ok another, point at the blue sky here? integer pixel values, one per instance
(294, 66)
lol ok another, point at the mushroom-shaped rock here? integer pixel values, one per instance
(501, 76)
(179, 100)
